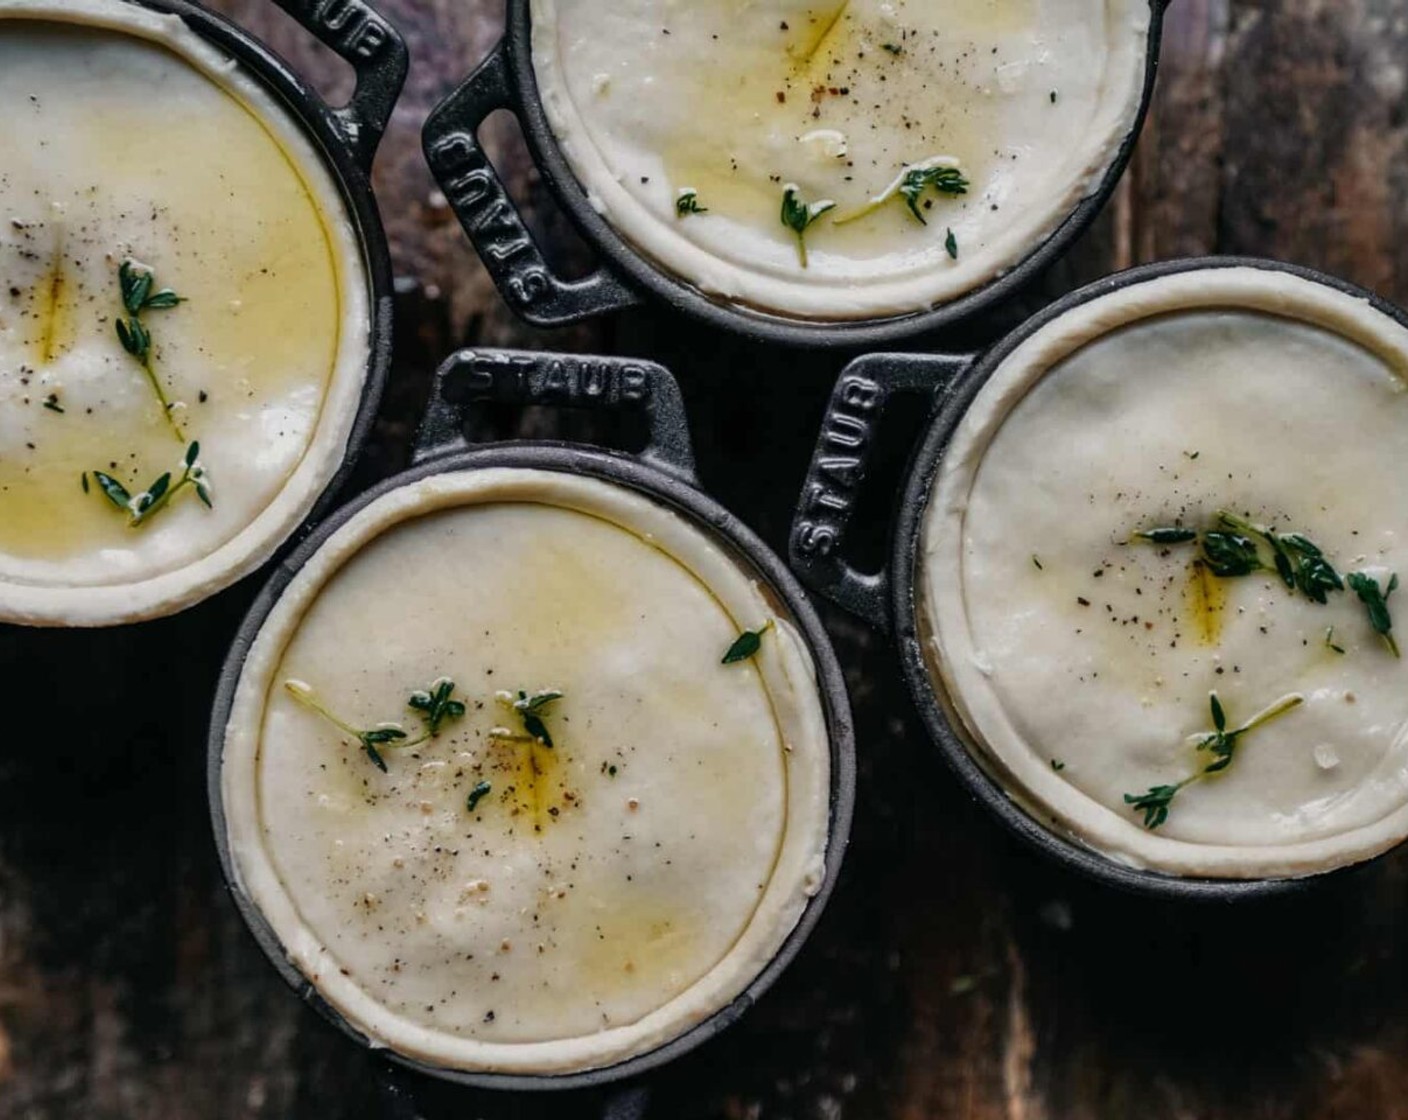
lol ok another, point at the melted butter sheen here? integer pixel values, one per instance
(573, 899)
(115, 147)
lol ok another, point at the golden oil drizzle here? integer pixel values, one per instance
(819, 30)
(532, 769)
(51, 291)
(1206, 600)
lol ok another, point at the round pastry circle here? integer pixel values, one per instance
(669, 870)
(734, 103)
(265, 361)
(1078, 663)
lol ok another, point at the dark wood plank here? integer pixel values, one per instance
(954, 975)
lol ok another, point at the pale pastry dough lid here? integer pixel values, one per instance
(489, 903)
(223, 198)
(1078, 661)
(686, 124)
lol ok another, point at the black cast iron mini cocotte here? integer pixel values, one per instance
(347, 138)
(947, 385)
(505, 80)
(663, 472)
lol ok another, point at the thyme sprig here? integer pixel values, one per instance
(798, 216)
(136, 282)
(1154, 802)
(1296, 559)
(941, 174)
(1240, 547)
(435, 704)
(480, 791)
(746, 645)
(1230, 554)
(917, 180)
(146, 504)
(371, 738)
(1172, 535)
(687, 202)
(530, 711)
(1221, 743)
(1375, 600)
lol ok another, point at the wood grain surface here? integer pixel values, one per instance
(953, 976)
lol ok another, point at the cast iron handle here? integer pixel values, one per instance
(625, 1102)
(565, 380)
(863, 391)
(355, 31)
(490, 218)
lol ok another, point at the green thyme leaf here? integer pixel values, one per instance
(1173, 535)
(951, 245)
(136, 286)
(1222, 747)
(134, 338)
(534, 725)
(476, 795)
(151, 499)
(1230, 555)
(539, 700)
(162, 300)
(746, 645)
(1315, 576)
(530, 711)
(1153, 803)
(375, 755)
(917, 180)
(688, 203)
(113, 490)
(437, 705)
(1375, 600)
(157, 490)
(1330, 640)
(379, 737)
(798, 216)
(51, 402)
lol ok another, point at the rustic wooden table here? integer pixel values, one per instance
(953, 975)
